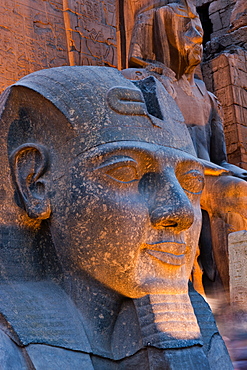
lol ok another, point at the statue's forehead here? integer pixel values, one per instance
(139, 147)
(116, 135)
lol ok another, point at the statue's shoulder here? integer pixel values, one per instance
(42, 313)
(39, 356)
(38, 321)
(11, 356)
(202, 87)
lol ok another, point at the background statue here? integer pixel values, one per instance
(167, 40)
(167, 43)
(111, 191)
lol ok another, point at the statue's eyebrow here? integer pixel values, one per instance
(193, 164)
(117, 159)
(99, 154)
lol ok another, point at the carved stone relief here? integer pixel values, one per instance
(91, 32)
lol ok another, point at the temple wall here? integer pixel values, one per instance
(32, 37)
(220, 14)
(225, 75)
(225, 70)
(39, 34)
(91, 32)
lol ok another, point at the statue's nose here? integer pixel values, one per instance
(197, 34)
(168, 204)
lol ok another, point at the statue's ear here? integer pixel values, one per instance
(29, 162)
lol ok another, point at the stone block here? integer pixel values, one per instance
(243, 135)
(203, 2)
(237, 246)
(238, 76)
(219, 34)
(229, 115)
(244, 155)
(232, 130)
(231, 136)
(225, 15)
(238, 59)
(234, 157)
(239, 96)
(207, 75)
(216, 21)
(221, 78)
(225, 96)
(231, 94)
(218, 5)
(219, 62)
(241, 114)
(233, 152)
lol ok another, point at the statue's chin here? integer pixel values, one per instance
(195, 56)
(157, 287)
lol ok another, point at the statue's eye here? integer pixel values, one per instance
(123, 173)
(192, 181)
(187, 25)
(120, 168)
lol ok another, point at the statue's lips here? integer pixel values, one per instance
(168, 252)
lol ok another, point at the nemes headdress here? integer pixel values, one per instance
(102, 106)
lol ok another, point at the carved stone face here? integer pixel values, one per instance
(131, 217)
(122, 202)
(191, 39)
(187, 34)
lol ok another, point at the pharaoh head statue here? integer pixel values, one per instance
(116, 180)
